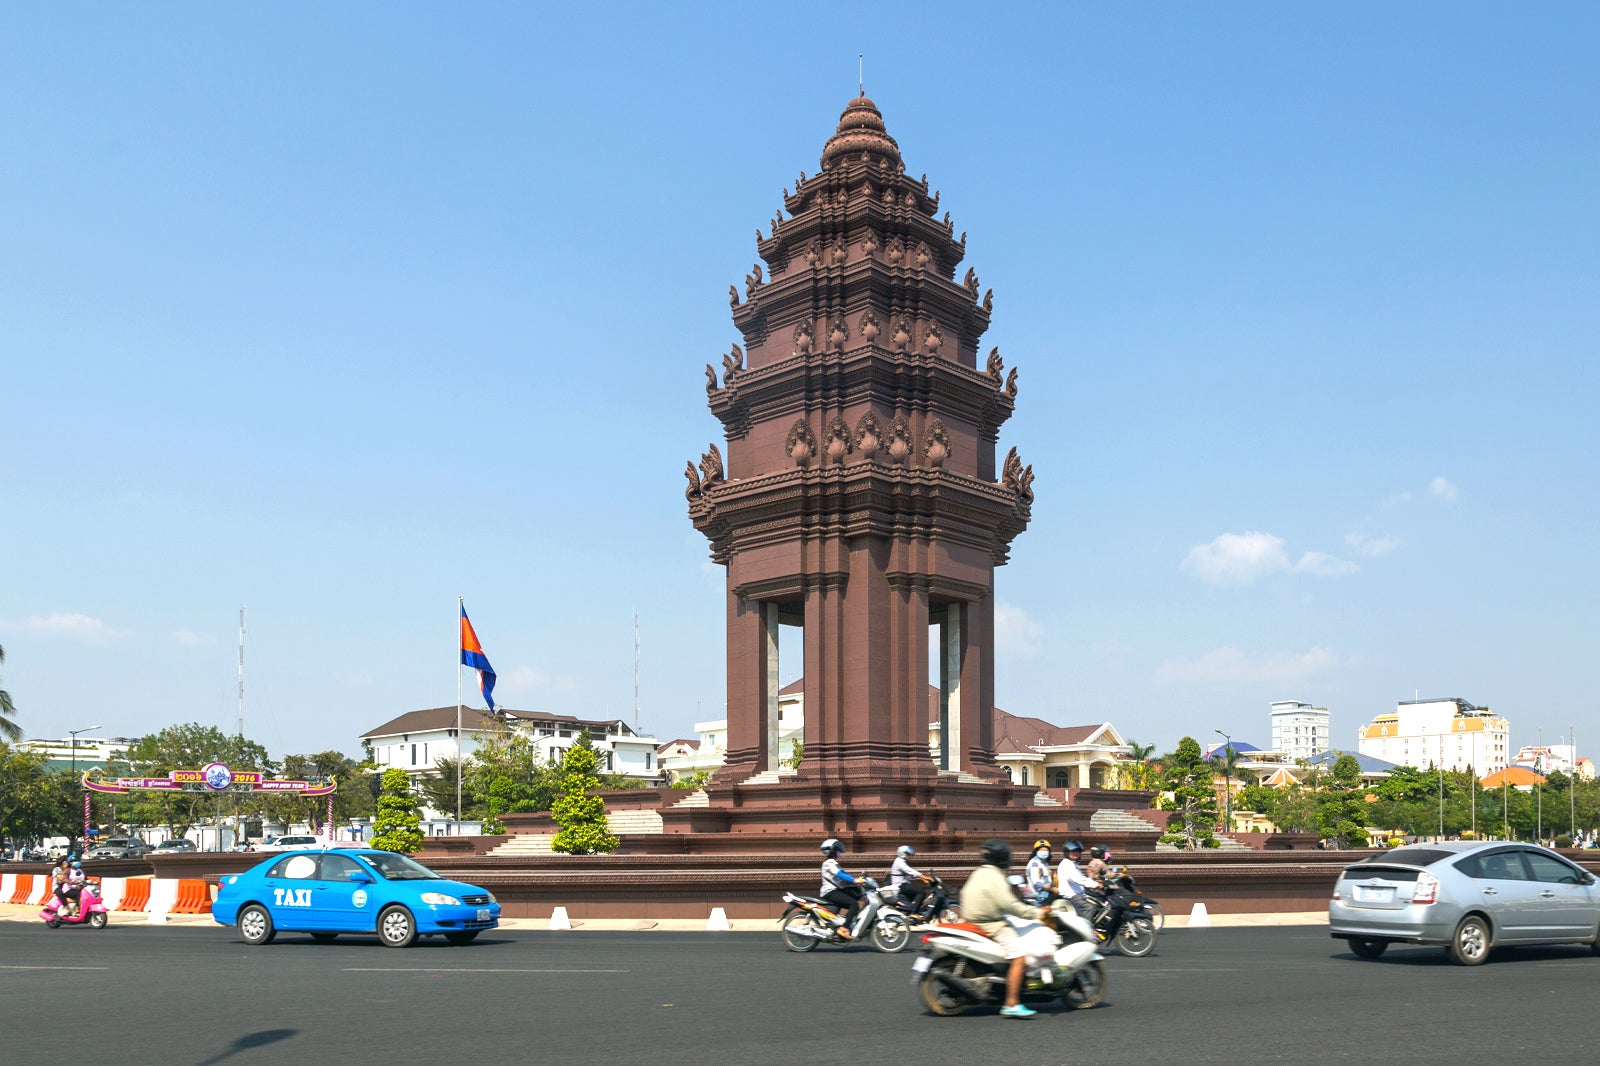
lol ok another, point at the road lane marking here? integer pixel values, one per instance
(55, 967)
(460, 969)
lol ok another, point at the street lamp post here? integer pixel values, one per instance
(1227, 781)
(84, 841)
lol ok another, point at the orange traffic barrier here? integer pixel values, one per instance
(194, 897)
(135, 895)
(23, 890)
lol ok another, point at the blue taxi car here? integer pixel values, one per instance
(352, 890)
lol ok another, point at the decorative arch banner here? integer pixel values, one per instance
(214, 778)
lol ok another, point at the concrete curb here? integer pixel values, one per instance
(10, 912)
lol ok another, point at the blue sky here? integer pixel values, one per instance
(341, 314)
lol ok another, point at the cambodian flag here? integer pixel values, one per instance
(472, 655)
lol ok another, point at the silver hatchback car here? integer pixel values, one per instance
(1467, 896)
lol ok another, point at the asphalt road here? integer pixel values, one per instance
(140, 994)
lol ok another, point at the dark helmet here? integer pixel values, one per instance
(833, 847)
(1097, 852)
(996, 852)
(1071, 846)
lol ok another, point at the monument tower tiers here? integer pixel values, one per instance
(860, 500)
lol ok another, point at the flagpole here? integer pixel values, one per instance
(460, 606)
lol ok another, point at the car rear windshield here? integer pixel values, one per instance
(1417, 855)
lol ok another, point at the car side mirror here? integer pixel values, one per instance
(360, 875)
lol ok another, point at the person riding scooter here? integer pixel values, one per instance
(1037, 874)
(986, 899)
(840, 890)
(911, 883)
(1071, 881)
(74, 889)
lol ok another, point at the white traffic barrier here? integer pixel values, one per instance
(559, 919)
(163, 897)
(718, 922)
(112, 889)
(43, 887)
(8, 887)
(1198, 918)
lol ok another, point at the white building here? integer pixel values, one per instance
(417, 741)
(683, 759)
(1299, 730)
(1544, 759)
(1448, 733)
(84, 753)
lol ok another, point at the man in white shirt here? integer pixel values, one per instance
(1072, 882)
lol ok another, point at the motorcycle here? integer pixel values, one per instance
(91, 911)
(1119, 916)
(960, 967)
(808, 921)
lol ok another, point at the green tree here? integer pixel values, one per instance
(35, 802)
(9, 729)
(581, 814)
(1136, 771)
(1189, 781)
(1342, 809)
(397, 826)
(356, 796)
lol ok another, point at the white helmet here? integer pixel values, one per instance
(833, 847)
(905, 849)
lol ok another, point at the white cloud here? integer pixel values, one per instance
(1015, 634)
(1321, 564)
(1372, 546)
(1445, 489)
(77, 626)
(1237, 558)
(1234, 665)
(190, 639)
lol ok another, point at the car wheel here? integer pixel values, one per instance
(1368, 949)
(396, 928)
(97, 920)
(465, 936)
(255, 925)
(1470, 944)
(324, 938)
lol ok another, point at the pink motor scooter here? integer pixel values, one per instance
(91, 911)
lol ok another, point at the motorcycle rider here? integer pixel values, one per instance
(1071, 881)
(76, 879)
(58, 880)
(986, 899)
(840, 890)
(1097, 868)
(1038, 873)
(911, 883)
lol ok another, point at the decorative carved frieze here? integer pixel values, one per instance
(838, 332)
(803, 338)
(932, 338)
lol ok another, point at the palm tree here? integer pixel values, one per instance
(9, 729)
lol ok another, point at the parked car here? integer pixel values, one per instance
(176, 846)
(119, 848)
(1467, 896)
(352, 890)
(290, 843)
